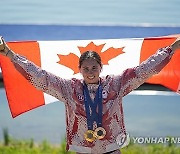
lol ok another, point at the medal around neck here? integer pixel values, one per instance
(94, 114)
(100, 133)
(89, 136)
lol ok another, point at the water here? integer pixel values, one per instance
(65, 20)
(47, 122)
(157, 116)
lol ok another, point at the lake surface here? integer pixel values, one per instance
(144, 116)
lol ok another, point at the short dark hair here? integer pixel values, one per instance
(90, 54)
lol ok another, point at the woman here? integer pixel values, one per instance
(94, 113)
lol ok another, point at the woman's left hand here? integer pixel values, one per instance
(176, 44)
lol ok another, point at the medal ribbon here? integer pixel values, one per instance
(95, 115)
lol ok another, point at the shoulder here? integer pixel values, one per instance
(106, 80)
(76, 82)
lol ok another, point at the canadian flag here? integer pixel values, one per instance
(61, 58)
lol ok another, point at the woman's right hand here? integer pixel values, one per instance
(4, 49)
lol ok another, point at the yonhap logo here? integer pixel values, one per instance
(123, 139)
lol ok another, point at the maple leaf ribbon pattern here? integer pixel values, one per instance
(72, 61)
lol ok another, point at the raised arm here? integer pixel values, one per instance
(132, 78)
(39, 78)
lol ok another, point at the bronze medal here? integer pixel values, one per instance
(89, 136)
(100, 133)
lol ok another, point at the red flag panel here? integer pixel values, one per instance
(170, 74)
(21, 95)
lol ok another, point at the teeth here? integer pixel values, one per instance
(91, 77)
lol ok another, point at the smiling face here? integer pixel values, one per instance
(90, 70)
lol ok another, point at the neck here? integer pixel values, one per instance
(92, 83)
(98, 82)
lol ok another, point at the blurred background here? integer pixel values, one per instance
(146, 113)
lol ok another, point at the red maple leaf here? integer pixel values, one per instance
(72, 61)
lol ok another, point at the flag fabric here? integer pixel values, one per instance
(61, 58)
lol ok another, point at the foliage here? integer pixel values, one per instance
(28, 147)
(14, 146)
(150, 149)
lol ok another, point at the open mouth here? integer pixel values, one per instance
(91, 77)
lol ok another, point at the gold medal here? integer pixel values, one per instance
(100, 133)
(89, 136)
